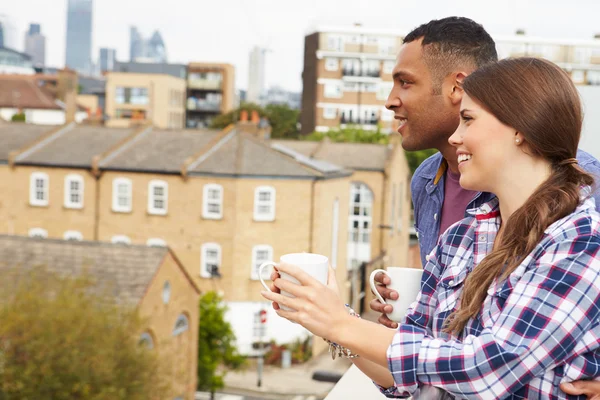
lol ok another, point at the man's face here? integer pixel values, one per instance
(426, 113)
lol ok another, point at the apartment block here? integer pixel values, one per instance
(222, 201)
(210, 92)
(134, 99)
(347, 78)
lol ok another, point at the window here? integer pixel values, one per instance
(125, 95)
(120, 239)
(264, 203)
(259, 330)
(361, 202)
(329, 113)
(331, 64)
(156, 242)
(335, 224)
(335, 43)
(38, 233)
(38, 189)
(383, 90)
(158, 196)
(146, 341)
(181, 325)
(74, 191)
(212, 204)
(261, 254)
(211, 260)
(333, 90)
(166, 292)
(137, 114)
(73, 235)
(121, 201)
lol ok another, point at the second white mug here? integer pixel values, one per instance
(405, 281)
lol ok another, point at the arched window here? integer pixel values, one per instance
(156, 242)
(146, 340)
(264, 203)
(38, 233)
(212, 201)
(73, 191)
(181, 325)
(73, 235)
(359, 224)
(120, 239)
(122, 193)
(166, 292)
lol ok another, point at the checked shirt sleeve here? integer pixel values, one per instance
(551, 306)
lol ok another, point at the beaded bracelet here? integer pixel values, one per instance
(338, 350)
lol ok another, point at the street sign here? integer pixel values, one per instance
(263, 316)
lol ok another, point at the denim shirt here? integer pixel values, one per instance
(427, 191)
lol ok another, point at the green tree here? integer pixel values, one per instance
(18, 117)
(216, 344)
(59, 341)
(415, 158)
(283, 119)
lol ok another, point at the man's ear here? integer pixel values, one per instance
(456, 86)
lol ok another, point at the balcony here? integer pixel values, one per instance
(358, 121)
(194, 104)
(351, 72)
(205, 84)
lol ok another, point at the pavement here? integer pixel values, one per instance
(293, 383)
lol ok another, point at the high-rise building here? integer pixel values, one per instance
(8, 33)
(256, 75)
(152, 50)
(107, 59)
(347, 78)
(79, 36)
(35, 45)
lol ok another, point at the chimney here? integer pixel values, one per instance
(67, 92)
(243, 116)
(255, 119)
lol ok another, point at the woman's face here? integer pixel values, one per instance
(485, 148)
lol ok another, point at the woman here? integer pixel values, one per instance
(510, 299)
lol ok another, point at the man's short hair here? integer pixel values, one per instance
(451, 43)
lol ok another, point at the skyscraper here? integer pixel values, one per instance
(107, 59)
(256, 75)
(8, 33)
(35, 45)
(151, 50)
(79, 36)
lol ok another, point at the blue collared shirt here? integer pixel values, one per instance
(427, 189)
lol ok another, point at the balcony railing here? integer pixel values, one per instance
(200, 105)
(351, 72)
(205, 84)
(359, 121)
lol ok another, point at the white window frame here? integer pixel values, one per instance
(156, 242)
(264, 217)
(332, 64)
(206, 201)
(179, 330)
(388, 66)
(120, 239)
(383, 90)
(329, 113)
(116, 207)
(330, 87)
(152, 209)
(364, 219)
(73, 235)
(204, 272)
(33, 200)
(166, 292)
(256, 262)
(40, 233)
(68, 192)
(147, 337)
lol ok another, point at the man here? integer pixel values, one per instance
(431, 65)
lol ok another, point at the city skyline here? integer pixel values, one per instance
(237, 26)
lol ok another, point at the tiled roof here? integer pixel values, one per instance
(75, 147)
(15, 136)
(159, 150)
(124, 271)
(357, 156)
(241, 154)
(24, 93)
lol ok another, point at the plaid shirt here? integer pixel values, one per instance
(537, 329)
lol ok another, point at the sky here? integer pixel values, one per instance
(226, 30)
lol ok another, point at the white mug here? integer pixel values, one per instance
(315, 265)
(405, 281)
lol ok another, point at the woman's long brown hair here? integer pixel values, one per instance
(541, 102)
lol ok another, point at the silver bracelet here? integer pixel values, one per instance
(338, 350)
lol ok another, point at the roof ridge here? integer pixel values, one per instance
(119, 148)
(212, 146)
(38, 144)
